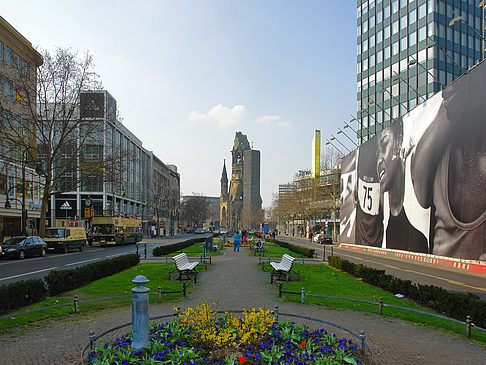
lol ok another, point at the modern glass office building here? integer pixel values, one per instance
(407, 50)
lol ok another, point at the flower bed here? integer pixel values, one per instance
(199, 336)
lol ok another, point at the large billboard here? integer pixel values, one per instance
(420, 184)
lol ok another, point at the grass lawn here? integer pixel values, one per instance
(324, 280)
(276, 251)
(118, 284)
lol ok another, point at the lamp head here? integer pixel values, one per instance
(456, 20)
(412, 62)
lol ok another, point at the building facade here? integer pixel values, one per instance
(407, 50)
(137, 184)
(19, 182)
(240, 201)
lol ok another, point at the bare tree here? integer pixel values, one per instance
(195, 210)
(159, 194)
(53, 132)
(329, 188)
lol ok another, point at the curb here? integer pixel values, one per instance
(471, 266)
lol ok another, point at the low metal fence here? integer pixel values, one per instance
(468, 323)
(360, 338)
(75, 303)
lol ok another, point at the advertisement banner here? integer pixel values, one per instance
(420, 184)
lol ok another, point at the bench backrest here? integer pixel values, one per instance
(287, 261)
(180, 260)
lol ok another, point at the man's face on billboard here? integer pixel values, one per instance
(388, 160)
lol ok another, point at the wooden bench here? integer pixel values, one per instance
(282, 268)
(184, 267)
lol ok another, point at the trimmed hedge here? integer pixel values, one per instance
(65, 280)
(304, 251)
(454, 305)
(21, 293)
(168, 249)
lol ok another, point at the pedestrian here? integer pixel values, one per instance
(273, 234)
(259, 235)
(236, 241)
(310, 236)
(243, 240)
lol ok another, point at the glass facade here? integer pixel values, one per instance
(407, 51)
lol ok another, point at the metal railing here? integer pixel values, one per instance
(75, 303)
(380, 306)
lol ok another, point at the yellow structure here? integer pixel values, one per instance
(316, 154)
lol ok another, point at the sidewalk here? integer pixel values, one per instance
(235, 283)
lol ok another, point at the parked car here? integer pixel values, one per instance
(326, 239)
(22, 246)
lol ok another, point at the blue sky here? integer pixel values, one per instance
(188, 74)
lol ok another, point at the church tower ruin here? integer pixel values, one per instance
(240, 203)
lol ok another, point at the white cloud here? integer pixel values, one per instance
(272, 120)
(224, 116)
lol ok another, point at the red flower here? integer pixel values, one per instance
(302, 344)
(242, 359)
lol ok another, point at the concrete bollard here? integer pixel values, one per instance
(302, 299)
(140, 317)
(92, 344)
(362, 338)
(76, 305)
(275, 313)
(380, 306)
(468, 326)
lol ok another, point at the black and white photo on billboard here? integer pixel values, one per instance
(421, 182)
(348, 196)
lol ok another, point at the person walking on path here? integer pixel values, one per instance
(236, 241)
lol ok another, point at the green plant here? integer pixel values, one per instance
(64, 280)
(304, 251)
(168, 249)
(21, 294)
(454, 305)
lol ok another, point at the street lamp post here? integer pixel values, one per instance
(460, 19)
(335, 139)
(332, 144)
(340, 131)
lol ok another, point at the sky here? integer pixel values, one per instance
(188, 74)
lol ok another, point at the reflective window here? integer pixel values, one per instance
(379, 17)
(403, 22)
(395, 27)
(412, 17)
(395, 48)
(394, 6)
(412, 39)
(379, 57)
(386, 32)
(379, 37)
(422, 11)
(403, 44)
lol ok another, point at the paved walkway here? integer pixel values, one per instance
(234, 283)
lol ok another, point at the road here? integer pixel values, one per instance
(12, 270)
(450, 279)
